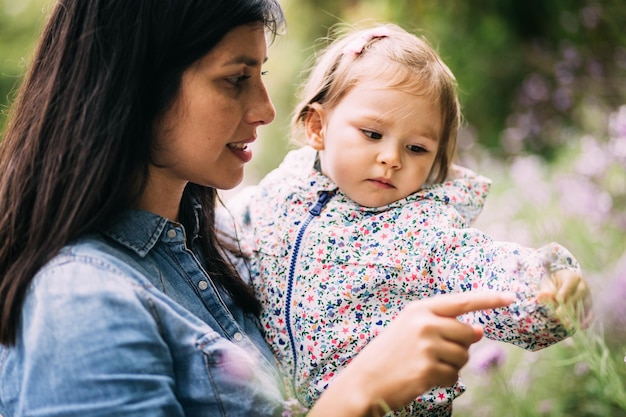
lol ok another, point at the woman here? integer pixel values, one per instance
(117, 297)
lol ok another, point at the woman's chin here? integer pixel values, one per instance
(228, 183)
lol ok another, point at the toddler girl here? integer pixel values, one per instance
(371, 213)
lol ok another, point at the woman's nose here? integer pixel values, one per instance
(262, 109)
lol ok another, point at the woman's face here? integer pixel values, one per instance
(204, 137)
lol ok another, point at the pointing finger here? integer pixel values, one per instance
(453, 305)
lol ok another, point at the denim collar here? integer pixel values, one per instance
(138, 230)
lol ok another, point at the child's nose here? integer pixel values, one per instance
(390, 157)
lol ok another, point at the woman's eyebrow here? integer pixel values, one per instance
(242, 59)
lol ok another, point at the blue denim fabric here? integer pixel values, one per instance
(127, 323)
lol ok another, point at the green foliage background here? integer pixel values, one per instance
(543, 90)
(492, 46)
(20, 23)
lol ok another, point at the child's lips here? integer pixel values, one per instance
(382, 182)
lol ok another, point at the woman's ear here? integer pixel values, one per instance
(314, 126)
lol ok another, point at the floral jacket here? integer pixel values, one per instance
(331, 274)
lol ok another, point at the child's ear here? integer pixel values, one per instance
(314, 126)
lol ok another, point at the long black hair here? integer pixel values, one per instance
(78, 143)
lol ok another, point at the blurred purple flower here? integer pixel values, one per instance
(617, 123)
(590, 16)
(571, 56)
(595, 69)
(239, 362)
(594, 159)
(610, 304)
(488, 358)
(562, 99)
(536, 88)
(617, 148)
(531, 123)
(513, 140)
(581, 369)
(580, 197)
(522, 379)
(617, 131)
(528, 173)
(545, 407)
(564, 74)
(526, 170)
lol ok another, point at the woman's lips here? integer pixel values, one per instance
(241, 150)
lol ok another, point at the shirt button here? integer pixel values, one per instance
(203, 285)
(238, 337)
(171, 233)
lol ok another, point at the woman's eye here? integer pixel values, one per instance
(417, 149)
(371, 135)
(237, 80)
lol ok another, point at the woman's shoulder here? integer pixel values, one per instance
(90, 260)
(83, 288)
(89, 282)
(89, 317)
(92, 272)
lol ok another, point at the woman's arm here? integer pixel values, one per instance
(425, 346)
(90, 347)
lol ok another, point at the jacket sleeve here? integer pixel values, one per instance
(464, 190)
(478, 263)
(236, 227)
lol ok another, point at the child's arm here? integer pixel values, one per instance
(539, 277)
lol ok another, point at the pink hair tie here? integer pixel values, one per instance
(356, 46)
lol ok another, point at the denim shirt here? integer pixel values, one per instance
(128, 323)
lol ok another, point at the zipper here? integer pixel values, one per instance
(324, 198)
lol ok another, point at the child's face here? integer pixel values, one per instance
(378, 144)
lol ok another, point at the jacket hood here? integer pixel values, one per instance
(463, 189)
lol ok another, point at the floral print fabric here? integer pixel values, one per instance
(329, 283)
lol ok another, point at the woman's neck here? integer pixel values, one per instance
(161, 196)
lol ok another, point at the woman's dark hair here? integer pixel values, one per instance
(79, 138)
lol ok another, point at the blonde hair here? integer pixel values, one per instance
(410, 63)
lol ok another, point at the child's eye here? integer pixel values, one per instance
(417, 149)
(372, 135)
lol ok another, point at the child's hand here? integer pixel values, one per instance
(568, 293)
